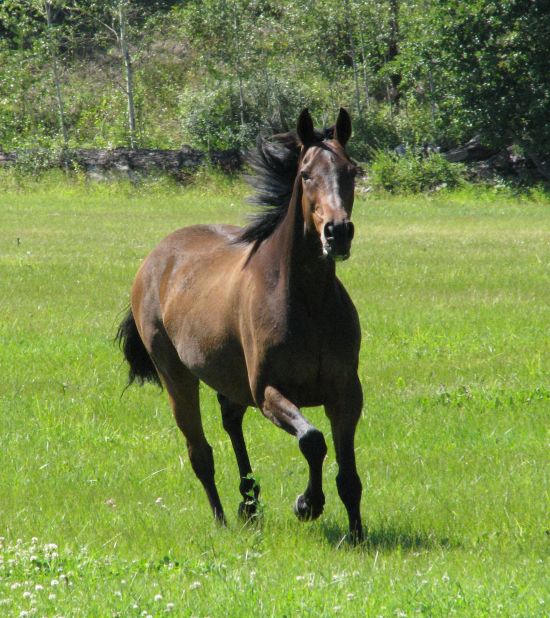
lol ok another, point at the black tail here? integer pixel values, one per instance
(141, 365)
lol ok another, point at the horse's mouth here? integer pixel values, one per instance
(335, 257)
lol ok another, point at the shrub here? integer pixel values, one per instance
(373, 131)
(412, 173)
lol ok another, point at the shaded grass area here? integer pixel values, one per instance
(100, 513)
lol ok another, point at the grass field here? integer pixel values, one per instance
(100, 513)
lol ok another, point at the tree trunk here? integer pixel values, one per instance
(393, 51)
(364, 63)
(348, 18)
(129, 73)
(56, 77)
(237, 62)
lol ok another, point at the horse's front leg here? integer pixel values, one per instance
(344, 414)
(286, 415)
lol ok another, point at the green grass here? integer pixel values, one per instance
(454, 297)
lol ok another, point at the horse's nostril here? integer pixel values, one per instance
(329, 231)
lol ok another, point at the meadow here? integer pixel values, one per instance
(100, 513)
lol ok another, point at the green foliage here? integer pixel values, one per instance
(215, 73)
(483, 65)
(211, 116)
(413, 173)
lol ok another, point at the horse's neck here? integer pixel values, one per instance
(304, 275)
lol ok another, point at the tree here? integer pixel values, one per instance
(489, 64)
(113, 17)
(35, 29)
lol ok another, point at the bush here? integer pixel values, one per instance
(210, 114)
(412, 173)
(373, 131)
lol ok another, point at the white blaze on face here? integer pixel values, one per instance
(324, 192)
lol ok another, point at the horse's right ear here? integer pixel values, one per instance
(305, 129)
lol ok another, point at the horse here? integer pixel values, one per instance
(258, 314)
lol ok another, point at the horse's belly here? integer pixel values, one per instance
(218, 362)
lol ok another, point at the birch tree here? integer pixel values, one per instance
(113, 19)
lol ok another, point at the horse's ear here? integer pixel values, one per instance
(305, 129)
(342, 131)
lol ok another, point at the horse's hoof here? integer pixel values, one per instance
(305, 511)
(356, 537)
(248, 510)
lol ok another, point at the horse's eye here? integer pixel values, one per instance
(305, 176)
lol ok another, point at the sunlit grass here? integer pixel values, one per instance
(454, 297)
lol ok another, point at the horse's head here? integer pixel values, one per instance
(328, 181)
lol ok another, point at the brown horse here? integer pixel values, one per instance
(259, 315)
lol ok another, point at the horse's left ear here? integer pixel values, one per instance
(342, 131)
(305, 129)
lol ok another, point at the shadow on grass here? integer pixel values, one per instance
(387, 537)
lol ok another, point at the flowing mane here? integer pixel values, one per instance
(274, 164)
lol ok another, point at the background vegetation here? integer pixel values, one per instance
(213, 73)
(100, 513)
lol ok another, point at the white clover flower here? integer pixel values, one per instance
(27, 594)
(39, 587)
(54, 582)
(195, 585)
(169, 607)
(52, 596)
(117, 593)
(158, 597)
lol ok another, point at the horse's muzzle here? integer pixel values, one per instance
(338, 237)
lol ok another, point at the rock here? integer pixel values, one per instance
(103, 164)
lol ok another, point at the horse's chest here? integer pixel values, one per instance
(306, 363)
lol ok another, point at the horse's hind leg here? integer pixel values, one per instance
(286, 415)
(232, 417)
(183, 389)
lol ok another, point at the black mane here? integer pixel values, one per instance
(274, 164)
